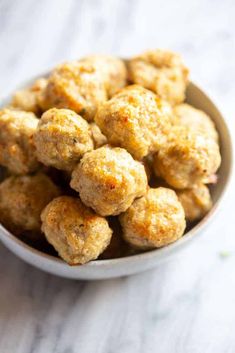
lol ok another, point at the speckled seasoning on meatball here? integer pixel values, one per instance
(22, 199)
(187, 159)
(112, 70)
(136, 120)
(62, 137)
(29, 98)
(195, 201)
(75, 231)
(195, 119)
(17, 150)
(108, 180)
(161, 71)
(76, 86)
(154, 220)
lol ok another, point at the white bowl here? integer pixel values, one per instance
(137, 263)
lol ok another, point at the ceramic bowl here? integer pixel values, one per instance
(102, 269)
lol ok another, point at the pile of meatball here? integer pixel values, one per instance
(103, 158)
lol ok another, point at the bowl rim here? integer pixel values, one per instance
(159, 252)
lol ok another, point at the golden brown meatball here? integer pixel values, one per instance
(154, 220)
(195, 119)
(17, 150)
(187, 159)
(113, 71)
(136, 120)
(108, 180)
(161, 71)
(76, 86)
(62, 137)
(22, 199)
(196, 202)
(98, 138)
(76, 232)
(28, 99)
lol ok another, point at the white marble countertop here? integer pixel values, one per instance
(187, 305)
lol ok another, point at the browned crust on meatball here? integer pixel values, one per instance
(29, 98)
(108, 180)
(187, 159)
(75, 231)
(62, 138)
(195, 119)
(136, 120)
(17, 150)
(196, 202)
(161, 71)
(22, 199)
(76, 86)
(112, 70)
(154, 220)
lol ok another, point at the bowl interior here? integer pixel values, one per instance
(118, 267)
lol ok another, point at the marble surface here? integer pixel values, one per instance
(187, 305)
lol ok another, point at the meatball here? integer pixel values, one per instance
(195, 119)
(136, 120)
(161, 71)
(22, 199)
(196, 202)
(17, 150)
(28, 99)
(98, 138)
(76, 86)
(154, 220)
(113, 71)
(187, 159)
(62, 137)
(77, 233)
(108, 180)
